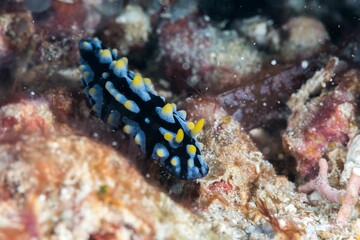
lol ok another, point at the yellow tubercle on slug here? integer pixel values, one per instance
(121, 63)
(168, 137)
(179, 136)
(191, 149)
(138, 80)
(105, 53)
(127, 129)
(92, 92)
(160, 153)
(198, 127)
(167, 109)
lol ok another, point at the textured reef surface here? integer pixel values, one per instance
(268, 147)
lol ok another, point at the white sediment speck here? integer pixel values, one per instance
(304, 64)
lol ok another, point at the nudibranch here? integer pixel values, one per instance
(122, 98)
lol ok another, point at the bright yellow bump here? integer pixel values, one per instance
(128, 104)
(173, 161)
(147, 81)
(168, 136)
(120, 64)
(125, 60)
(127, 129)
(160, 153)
(179, 136)
(137, 139)
(198, 127)
(167, 109)
(92, 91)
(190, 163)
(190, 125)
(105, 53)
(86, 44)
(191, 149)
(137, 81)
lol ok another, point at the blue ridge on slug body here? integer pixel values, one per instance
(121, 97)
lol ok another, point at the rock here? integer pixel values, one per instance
(323, 124)
(195, 53)
(305, 38)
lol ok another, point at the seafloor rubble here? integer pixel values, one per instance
(279, 93)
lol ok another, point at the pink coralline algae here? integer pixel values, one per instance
(348, 198)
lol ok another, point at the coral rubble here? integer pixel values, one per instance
(276, 81)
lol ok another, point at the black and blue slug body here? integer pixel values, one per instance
(123, 98)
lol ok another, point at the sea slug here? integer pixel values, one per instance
(125, 99)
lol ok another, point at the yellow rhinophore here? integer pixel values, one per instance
(198, 127)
